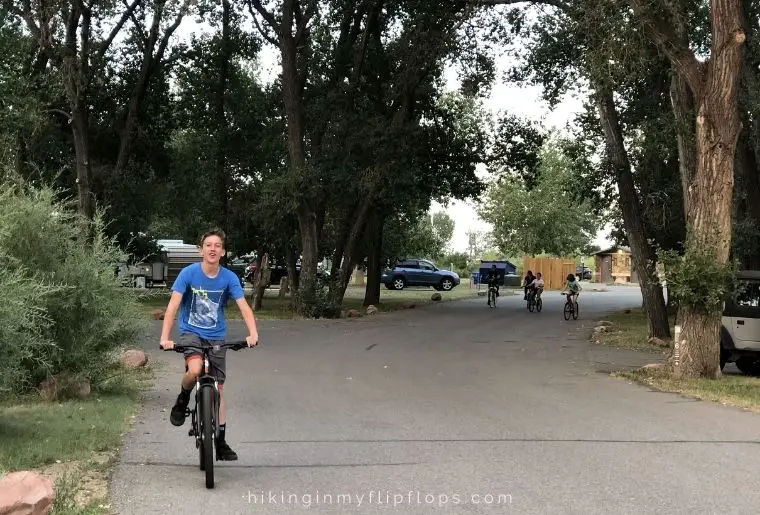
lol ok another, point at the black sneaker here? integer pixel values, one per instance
(223, 452)
(179, 411)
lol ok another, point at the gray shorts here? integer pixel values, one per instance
(217, 359)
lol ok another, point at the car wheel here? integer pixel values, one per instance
(447, 284)
(399, 283)
(749, 366)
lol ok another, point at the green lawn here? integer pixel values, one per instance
(629, 331)
(274, 307)
(732, 390)
(72, 442)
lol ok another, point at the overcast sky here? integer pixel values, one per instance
(519, 100)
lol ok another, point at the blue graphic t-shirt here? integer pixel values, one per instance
(203, 300)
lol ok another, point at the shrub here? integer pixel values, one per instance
(73, 311)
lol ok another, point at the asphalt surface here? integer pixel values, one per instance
(452, 408)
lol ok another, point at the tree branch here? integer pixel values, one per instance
(674, 47)
(268, 16)
(172, 28)
(103, 47)
(260, 28)
(143, 40)
(302, 21)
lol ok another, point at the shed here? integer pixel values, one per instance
(614, 265)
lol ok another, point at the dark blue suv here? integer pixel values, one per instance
(418, 272)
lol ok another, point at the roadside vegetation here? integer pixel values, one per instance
(628, 330)
(275, 307)
(66, 397)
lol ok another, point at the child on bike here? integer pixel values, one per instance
(537, 286)
(200, 293)
(572, 287)
(493, 281)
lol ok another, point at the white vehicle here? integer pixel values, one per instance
(740, 331)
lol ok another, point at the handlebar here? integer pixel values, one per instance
(235, 345)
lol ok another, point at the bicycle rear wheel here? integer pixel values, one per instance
(539, 304)
(207, 433)
(568, 310)
(575, 311)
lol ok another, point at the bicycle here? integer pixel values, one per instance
(571, 308)
(492, 296)
(535, 302)
(205, 412)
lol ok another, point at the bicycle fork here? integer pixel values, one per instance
(196, 418)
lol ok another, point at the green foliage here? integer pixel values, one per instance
(696, 280)
(543, 220)
(69, 310)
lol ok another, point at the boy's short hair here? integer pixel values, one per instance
(212, 232)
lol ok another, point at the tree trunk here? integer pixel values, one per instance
(682, 101)
(290, 261)
(374, 259)
(709, 220)
(260, 282)
(306, 211)
(641, 253)
(79, 128)
(340, 283)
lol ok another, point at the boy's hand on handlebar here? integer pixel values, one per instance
(166, 344)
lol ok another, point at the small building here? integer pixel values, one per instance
(614, 265)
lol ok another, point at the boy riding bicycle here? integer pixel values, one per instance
(200, 293)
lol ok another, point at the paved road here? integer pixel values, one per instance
(454, 408)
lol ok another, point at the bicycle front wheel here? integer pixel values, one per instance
(575, 312)
(568, 310)
(539, 305)
(207, 433)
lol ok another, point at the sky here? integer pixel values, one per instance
(524, 101)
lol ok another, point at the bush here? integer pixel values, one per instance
(63, 307)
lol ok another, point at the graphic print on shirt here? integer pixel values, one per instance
(204, 308)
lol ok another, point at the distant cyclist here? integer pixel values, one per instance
(537, 285)
(493, 280)
(572, 287)
(529, 278)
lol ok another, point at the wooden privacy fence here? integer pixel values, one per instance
(554, 270)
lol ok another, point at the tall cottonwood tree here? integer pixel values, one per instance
(714, 85)
(590, 40)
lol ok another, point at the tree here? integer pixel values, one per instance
(714, 86)
(543, 220)
(593, 41)
(443, 228)
(78, 53)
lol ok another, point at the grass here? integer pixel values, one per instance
(273, 307)
(629, 330)
(72, 442)
(732, 390)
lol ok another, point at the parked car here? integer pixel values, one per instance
(418, 272)
(583, 273)
(740, 328)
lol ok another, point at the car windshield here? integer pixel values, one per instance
(749, 294)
